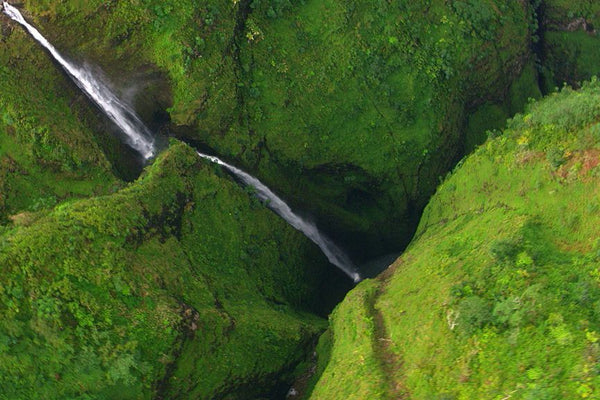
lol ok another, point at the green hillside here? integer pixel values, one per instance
(497, 296)
(121, 279)
(51, 145)
(179, 285)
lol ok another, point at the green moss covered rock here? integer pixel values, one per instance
(359, 108)
(180, 285)
(497, 296)
(51, 146)
(570, 41)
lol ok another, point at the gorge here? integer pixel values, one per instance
(176, 282)
(140, 138)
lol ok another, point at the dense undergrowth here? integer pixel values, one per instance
(358, 107)
(48, 147)
(570, 39)
(498, 293)
(179, 285)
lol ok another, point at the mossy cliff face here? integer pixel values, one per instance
(570, 41)
(357, 108)
(497, 296)
(360, 107)
(179, 286)
(50, 145)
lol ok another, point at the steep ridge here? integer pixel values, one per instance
(139, 137)
(178, 286)
(497, 295)
(334, 254)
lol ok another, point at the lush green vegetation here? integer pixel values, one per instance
(48, 147)
(559, 13)
(498, 293)
(493, 114)
(363, 104)
(359, 107)
(570, 40)
(179, 285)
(571, 57)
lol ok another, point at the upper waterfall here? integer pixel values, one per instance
(138, 135)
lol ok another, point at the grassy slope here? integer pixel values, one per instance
(48, 151)
(359, 107)
(178, 285)
(498, 294)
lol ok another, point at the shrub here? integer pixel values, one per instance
(473, 313)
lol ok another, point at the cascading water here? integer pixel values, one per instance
(140, 138)
(138, 135)
(333, 253)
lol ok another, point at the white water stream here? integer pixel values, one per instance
(334, 254)
(138, 135)
(140, 138)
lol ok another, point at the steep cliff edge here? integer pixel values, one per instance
(497, 296)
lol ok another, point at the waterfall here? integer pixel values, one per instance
(137, 134)
(140, 138)
(334, 254)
